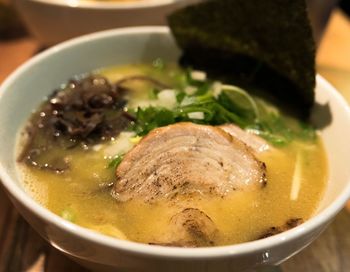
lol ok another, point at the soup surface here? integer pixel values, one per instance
(296, 174)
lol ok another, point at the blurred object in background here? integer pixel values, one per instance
(345, 6)
(319, 13)
(53, 21)
(10, 24)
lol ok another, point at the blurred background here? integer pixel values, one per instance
(29, 26)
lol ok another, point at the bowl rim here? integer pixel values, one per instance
(151, 250)
(108, 5)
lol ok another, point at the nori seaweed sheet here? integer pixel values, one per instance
(266, 43)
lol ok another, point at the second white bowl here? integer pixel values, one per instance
(54, 21)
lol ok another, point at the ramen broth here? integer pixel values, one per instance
(296, 180)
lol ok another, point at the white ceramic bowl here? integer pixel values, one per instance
(54, 21)
(24, 90)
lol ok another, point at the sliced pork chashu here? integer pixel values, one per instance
(256, 143)
(189, 228)
(187, 159)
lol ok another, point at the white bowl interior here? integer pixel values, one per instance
(26, 88)
(334, 139)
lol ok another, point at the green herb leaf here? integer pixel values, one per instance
(230, 105)
(116, 161)
(151, 118)
(158, 64)
(153, 93)
(68, 215)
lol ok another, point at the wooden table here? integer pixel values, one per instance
(21, 249)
